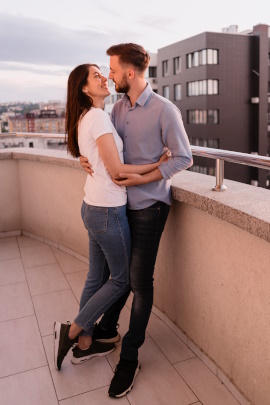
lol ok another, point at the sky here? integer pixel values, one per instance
(42, 41)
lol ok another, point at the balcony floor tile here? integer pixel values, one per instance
(46, 279)
(37, 256)
(25, 241)
(68, 263)
(208, 388)
(11, 271)
(76, 379)
(15, 301)
(168, 342)
(59, 306)
(29, 388)
(9, 248)
(96, 397)
(28, 309)
(76, 282)
(21, 346)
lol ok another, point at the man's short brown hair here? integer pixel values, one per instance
(132, 54)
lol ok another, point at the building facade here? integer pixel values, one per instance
(221, 84)
(47, 121)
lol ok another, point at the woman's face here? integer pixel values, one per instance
(97, 84)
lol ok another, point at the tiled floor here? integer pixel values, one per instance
(40, 284)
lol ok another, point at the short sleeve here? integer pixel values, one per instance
(100, 124)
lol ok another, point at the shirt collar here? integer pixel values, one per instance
(145, 95)
(142, 98)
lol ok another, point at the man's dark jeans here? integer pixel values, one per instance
(146, 227)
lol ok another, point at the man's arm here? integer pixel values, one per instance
(175, 138)
(86, 165)
(137, 179)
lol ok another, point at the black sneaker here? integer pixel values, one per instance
(62, 343)
(95, 349)
(124, 377)
(105, 336)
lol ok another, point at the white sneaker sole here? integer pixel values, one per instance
(76, 360)
(56, 334)
(130, 387)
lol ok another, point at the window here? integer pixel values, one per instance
(212, 117)
(195, 59)
(177, 92)
(202, 87)
(206, 143)
(152, 71)
(213, 143)
(203, 57)
(198, 169)
(189, 60)
(165, 68)
(177, 65)
(203, 117)
(166, 92)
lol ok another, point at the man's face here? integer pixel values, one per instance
(118, 75)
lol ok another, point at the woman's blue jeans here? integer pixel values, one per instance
(109, 260)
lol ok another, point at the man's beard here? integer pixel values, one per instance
(122, 87)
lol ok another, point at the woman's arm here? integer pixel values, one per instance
(109, 154)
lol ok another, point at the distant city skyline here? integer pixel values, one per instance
(41, 44)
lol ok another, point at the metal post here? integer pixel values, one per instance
(219, 176)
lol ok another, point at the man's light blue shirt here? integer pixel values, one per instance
(152, 124)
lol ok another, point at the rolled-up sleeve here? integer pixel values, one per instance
(175, 139)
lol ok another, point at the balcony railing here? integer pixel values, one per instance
(261, 162)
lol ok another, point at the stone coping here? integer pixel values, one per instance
(52, 156)
(242, 205)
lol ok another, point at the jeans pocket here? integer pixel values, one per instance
(96, 219)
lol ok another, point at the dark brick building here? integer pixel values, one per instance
(221, 83)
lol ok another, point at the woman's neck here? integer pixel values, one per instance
(98, 103)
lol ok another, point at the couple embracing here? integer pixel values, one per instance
(130, 158)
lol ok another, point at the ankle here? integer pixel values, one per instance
(84, 346)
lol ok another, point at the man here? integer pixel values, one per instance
(147, 123)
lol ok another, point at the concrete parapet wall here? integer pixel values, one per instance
(42, 195)
(212, 278)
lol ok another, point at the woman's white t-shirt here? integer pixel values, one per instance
(99, 188)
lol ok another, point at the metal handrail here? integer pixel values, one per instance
(261, 162)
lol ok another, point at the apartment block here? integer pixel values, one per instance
(221, 84)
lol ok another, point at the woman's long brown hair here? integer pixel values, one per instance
(78, 104)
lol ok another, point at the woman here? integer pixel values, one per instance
(91, 133)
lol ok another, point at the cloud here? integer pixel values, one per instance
(160, 23)
(56, 70)
(37, 56)
(29, 40)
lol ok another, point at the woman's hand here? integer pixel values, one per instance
(86, 165)
(165, 157)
